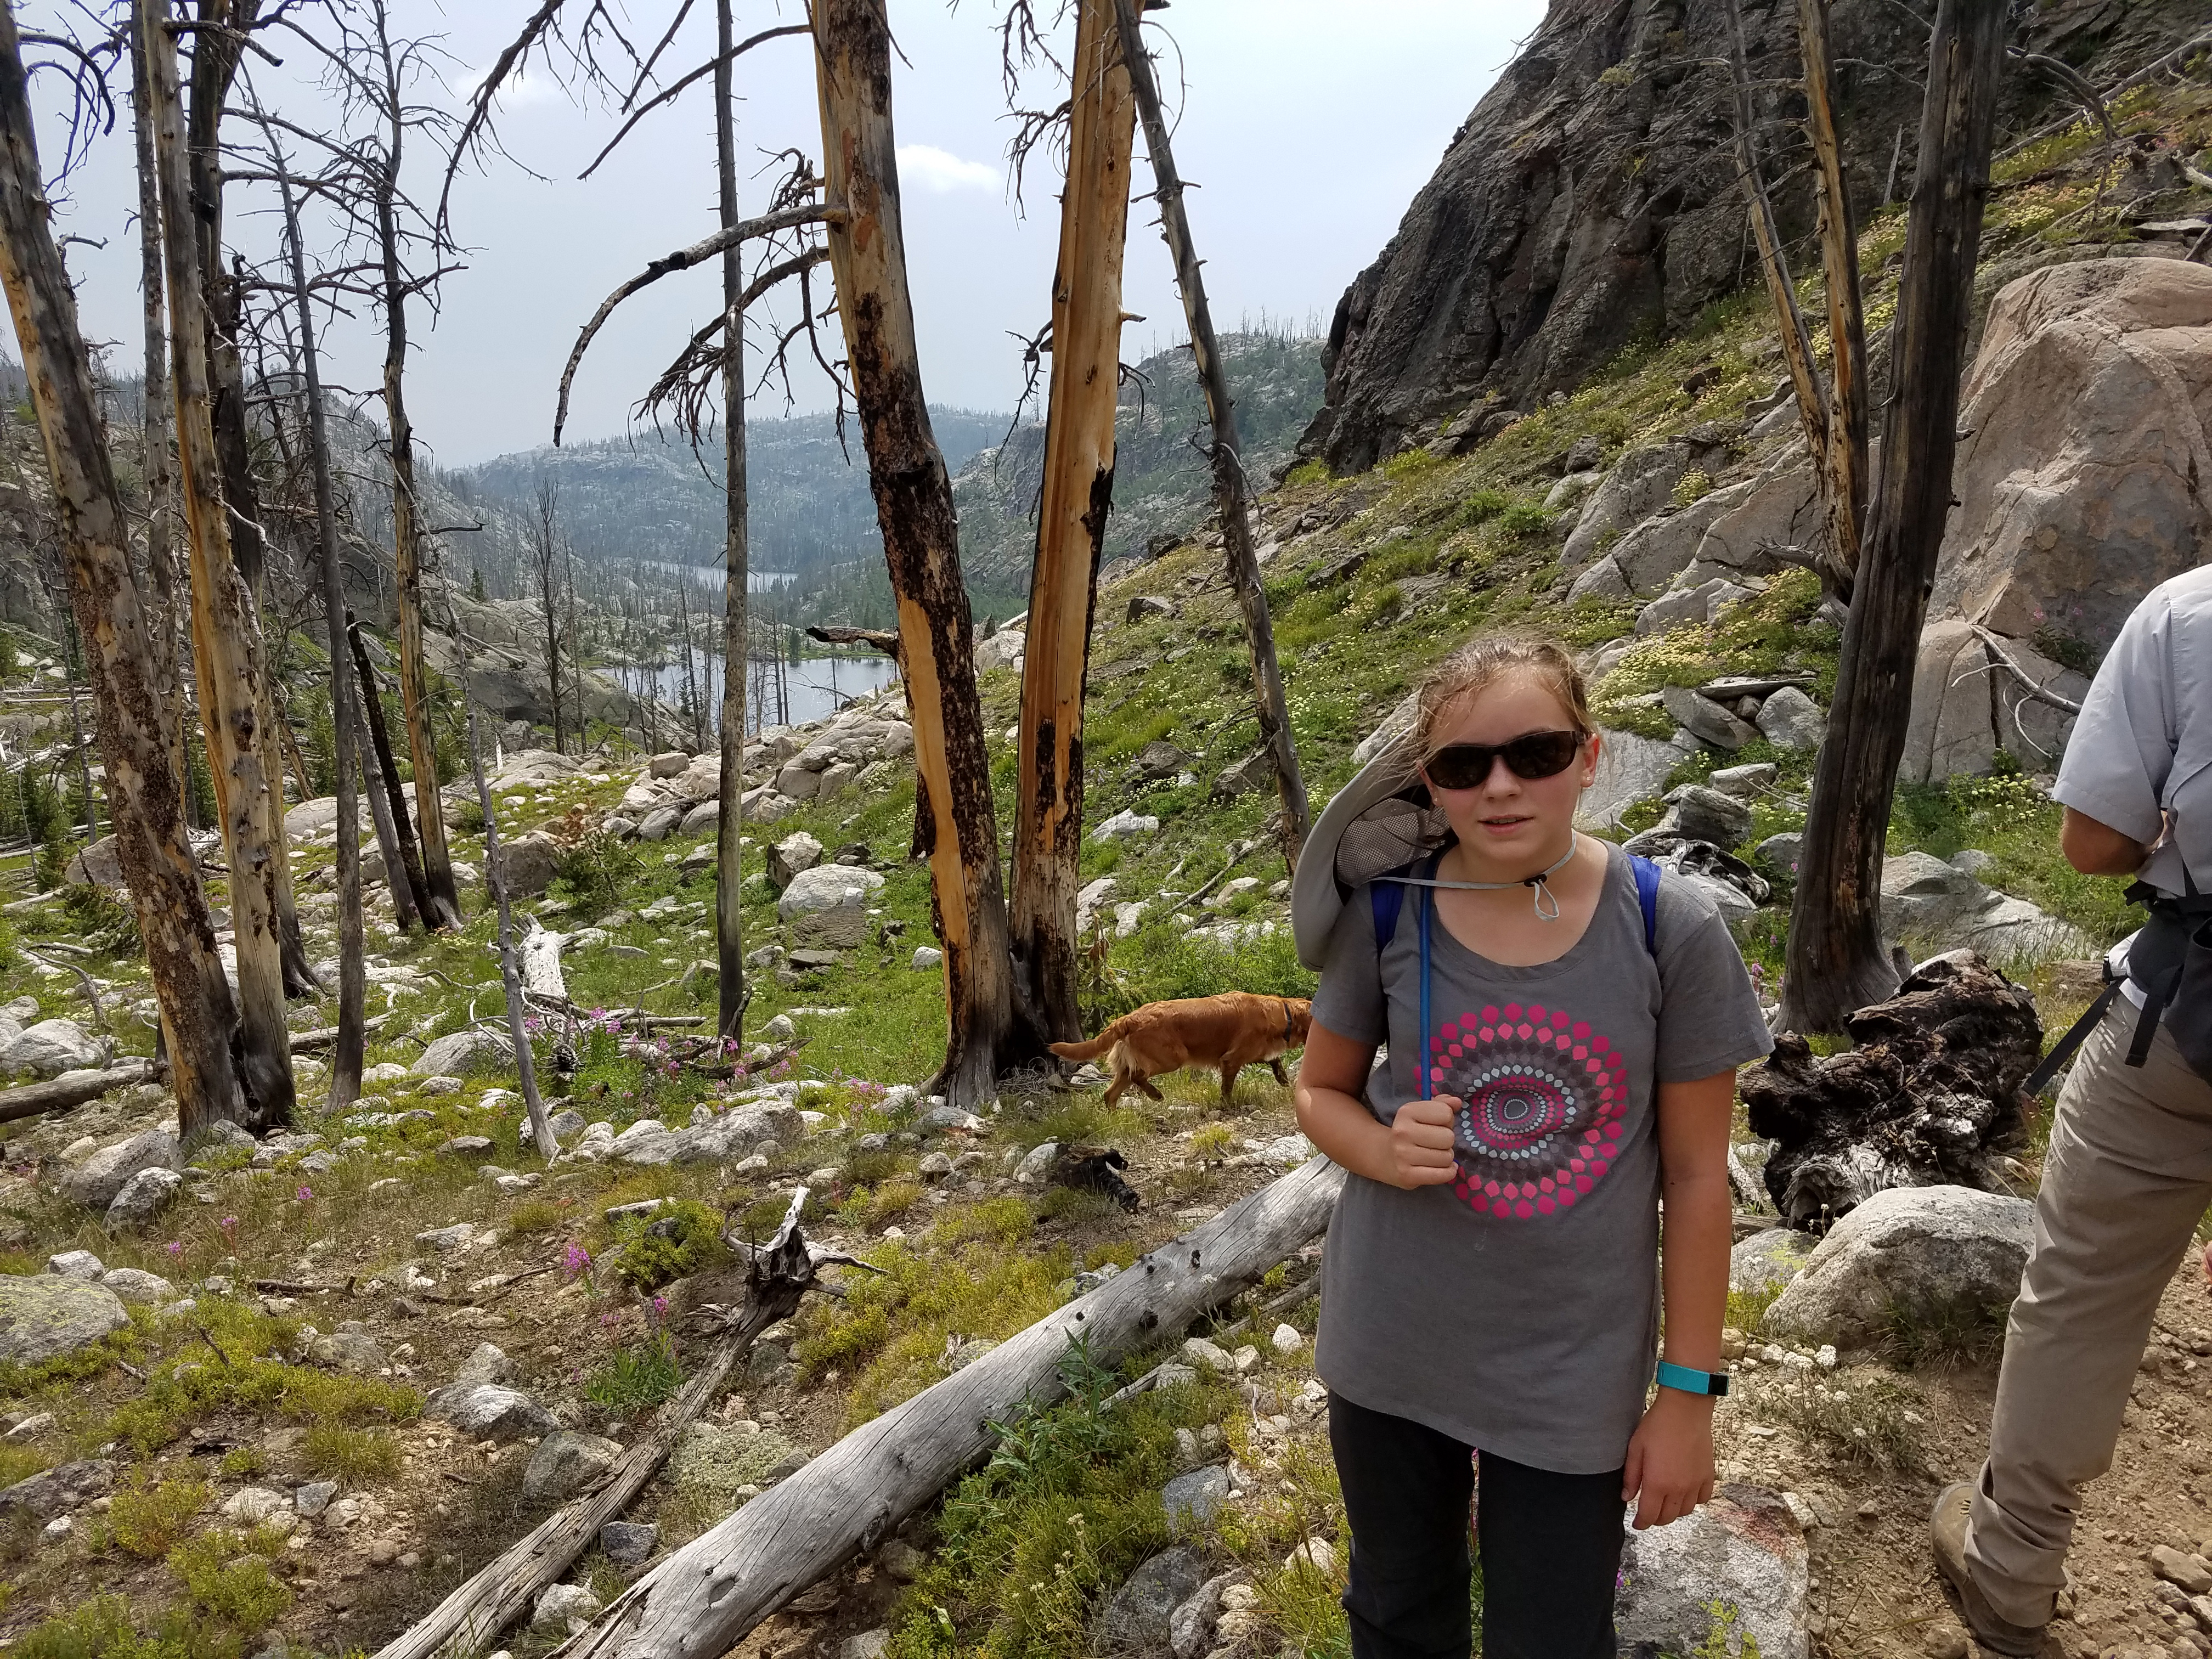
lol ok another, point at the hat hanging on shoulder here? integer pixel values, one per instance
(1382, 821)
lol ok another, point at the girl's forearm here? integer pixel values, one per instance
(1346, 1131)
(1694, 1269)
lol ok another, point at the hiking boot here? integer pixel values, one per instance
(1947, 1533)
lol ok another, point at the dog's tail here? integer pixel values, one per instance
(1090, 1050)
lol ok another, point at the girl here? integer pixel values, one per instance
(1563, 1042)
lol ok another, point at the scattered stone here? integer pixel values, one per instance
(460, 1052)
(1136, 1618)
(902, 1561)
(1790, 720)
(1938, 1249)
(1704, 814)
(350, 1349)
(1778, 853)
(1745, 782)
(312, 1499)
(75, 1264)
(1036, 1163)
(559, 1603)
(1744, 1550)
(527, 863)
(45, 1314)
(927, 955)
(871, 1643)
(144, 1197)
(30, 1428)
(796, 853)
(63, 1487)
(1127, 822)
(52, 1047)
(1198, 1351)
(1287, 1339)
(566, 1462)
(1192, 1500)
(2188, 1571)
(1317, 1553)
(1769, 1260)
(628, 1543)
(488, 1412)
(470, 1147)
(1705, 720)
(94, 1182)
(445, 1239)
(487, 1364)
(249, 1506)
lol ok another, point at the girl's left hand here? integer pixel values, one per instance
(1670, 1459)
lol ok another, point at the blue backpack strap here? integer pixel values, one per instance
(1389, 897)
(1646, 898)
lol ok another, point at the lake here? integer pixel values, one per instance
(819, 686)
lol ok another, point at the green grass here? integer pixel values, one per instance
(351, 1456)
(637, 1377)
(1068, 1504)
(146, 1516)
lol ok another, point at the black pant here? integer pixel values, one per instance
(1551, 1546)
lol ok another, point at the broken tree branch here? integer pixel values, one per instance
(704, 1598)
(2038, 693)
(682, 259)
(70, 1089)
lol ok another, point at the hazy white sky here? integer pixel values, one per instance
(1307, 128)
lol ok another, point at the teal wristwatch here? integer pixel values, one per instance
(1712, 1383)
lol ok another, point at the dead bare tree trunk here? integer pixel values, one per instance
(409, 870)
(518, 1006)
(131, 698)
(1835, 960)
(396, 882)
(703, 1599)
(921, 547)
(154, 464)
(348, 1052)
(441, 900)
(224, 619)
(737, 567)
(1232, 490)
(545, 558)
(1843, 459)
(1078, 494)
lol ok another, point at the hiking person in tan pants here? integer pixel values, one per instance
(2129, 1172)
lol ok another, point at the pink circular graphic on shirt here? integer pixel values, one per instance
(1544, 1097)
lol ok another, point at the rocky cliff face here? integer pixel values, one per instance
(1590, 199)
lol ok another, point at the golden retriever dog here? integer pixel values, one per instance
(1230, 1032)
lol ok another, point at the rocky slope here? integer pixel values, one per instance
(1590, 200)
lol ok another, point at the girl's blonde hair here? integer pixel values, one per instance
(1484, 659)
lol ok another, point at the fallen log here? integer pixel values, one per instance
(304, 1042)
(779, 1276)
(70, 1089)
(703, 1599)
(1929, 1096)
(541, 962)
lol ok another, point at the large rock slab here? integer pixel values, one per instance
(1738, 1565)
(45, 1314)
(96, 1183)
(566, 1462)
(1769, 1260)
(2079, 484)
(1908, 1250)
(1629, 768)
(828, 904)
(486, 1411)
(1637, 487)
(1925, 900)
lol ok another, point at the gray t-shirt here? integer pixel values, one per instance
(1516, 1308)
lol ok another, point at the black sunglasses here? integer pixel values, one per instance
(1531, 755)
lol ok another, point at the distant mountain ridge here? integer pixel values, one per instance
(650, 498)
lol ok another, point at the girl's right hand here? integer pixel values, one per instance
(1421, 1143)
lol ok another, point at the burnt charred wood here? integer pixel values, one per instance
(1095, 1169)
(1931, 1096)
